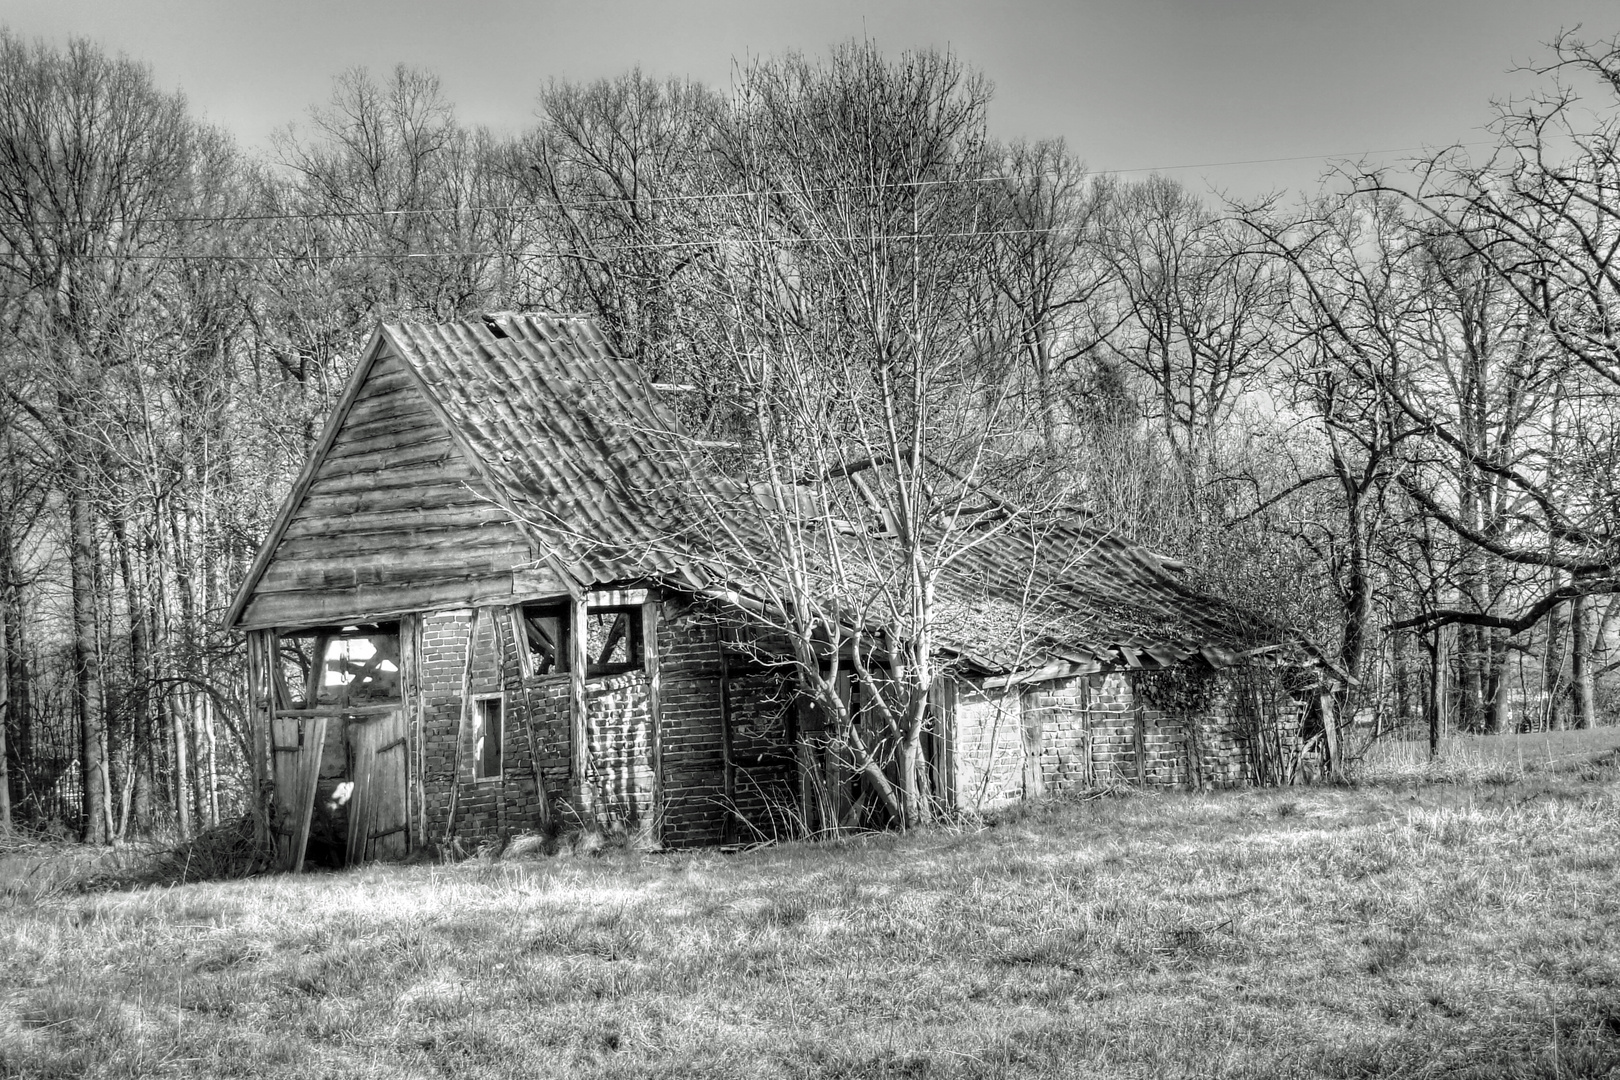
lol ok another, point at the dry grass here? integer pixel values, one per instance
(1463, 929)
(1491, 758)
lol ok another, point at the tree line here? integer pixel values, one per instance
(1383, 417)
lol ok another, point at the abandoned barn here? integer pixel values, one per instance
(469, 621)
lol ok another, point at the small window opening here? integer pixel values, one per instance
(488, 716)
(613, 640)
(545, 631)
(361, 667)
(338, 666)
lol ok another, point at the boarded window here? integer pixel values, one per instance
(488, 714)
(613, 640)
(545, 636)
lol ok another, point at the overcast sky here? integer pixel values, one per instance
(1182, 85)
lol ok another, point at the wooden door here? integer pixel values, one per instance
(295, 744)
(379, 822)
(1033, 721)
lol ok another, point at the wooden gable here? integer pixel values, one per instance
(391, 517)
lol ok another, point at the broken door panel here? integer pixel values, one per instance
(379, 771)
(295, 744)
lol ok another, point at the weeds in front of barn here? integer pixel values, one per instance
(1467, 928)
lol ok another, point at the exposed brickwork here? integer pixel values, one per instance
(1093, 732)
(762, 706)
(990, 751)
(493, 807)
(1090, 730)
(694, 764)
(618, 731)
(1065, 741)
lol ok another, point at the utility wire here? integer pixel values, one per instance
(538, 253)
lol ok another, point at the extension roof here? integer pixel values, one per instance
(506, 457)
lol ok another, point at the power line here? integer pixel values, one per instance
(533, 253)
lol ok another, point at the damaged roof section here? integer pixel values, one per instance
(571, 446)
(573, 440)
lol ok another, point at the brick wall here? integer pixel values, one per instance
(618, 733)
(1115, 725)
(689, 659)
(1060, 708)
(989, 748)
(500, 806)
(1090, 728)
(765, 789)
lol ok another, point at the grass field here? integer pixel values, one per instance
(1424, 923)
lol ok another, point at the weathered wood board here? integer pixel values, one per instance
(379, 820)
(295, 745)
(395, 519)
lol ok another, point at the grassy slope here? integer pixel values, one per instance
(1455, 929)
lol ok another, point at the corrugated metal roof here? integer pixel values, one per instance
(579, 447)
(575, 440)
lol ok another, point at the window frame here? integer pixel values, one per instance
(562, 610)
(481, 714)
(310, 647)
(635, 641)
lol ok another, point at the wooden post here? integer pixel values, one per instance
(462, 727)
(942, 703)
(259, 659)
(542, 797)
(409, 697)
(1031, 721)
(1140, 739)
(578, 664)
(649, 648)
(1330, 730)
(419, 707)
(1089, 765)
(728, 771)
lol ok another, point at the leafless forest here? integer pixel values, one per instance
(1386, 416)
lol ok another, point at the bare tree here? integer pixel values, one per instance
(883, 448)
(619, 171)
(93, 162)
(1199, 312)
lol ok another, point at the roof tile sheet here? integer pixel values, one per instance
(579, 448)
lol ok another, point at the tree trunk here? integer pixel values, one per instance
(5, 709)
(180, 772)
(140, 681)
(1581, 625)
(14, 652)
(87, 683)
(1437, 683)
(1471, 679)
(210, 775)
(1496, 691)
(1554, 651)
(1403, 684)
(914, 799)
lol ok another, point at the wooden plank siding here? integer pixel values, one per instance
(395, 519)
